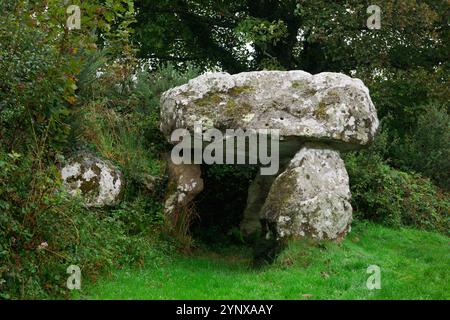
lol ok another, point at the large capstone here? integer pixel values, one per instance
(318, 116)
(328, 106)
(311, 198)
(98, 181)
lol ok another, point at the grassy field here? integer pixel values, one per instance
(414, 265)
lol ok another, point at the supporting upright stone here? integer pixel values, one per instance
(185, 183)
(257, 194)
(312, 197)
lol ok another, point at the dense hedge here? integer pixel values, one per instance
(383, 194)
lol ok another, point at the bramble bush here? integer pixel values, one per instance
(413, 106)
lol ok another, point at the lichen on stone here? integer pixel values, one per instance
(321, 111)
(237, 110)
(239, 90)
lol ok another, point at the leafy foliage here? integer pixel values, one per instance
(48, 81)
(383, 194)
(427, 149)
(314, 36)
(43, 231)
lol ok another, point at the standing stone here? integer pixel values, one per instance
(185, 183)
(312, 197)
(257, 194)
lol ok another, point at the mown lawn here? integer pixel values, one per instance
(414, 265)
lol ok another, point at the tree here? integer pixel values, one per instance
(405, 63)
(293, 34)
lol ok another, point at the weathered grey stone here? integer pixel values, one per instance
(329, 106)
(185, 183)
(312, 197)
(257, 194)
(96, 180)
(316, 114)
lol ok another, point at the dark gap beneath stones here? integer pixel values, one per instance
(221, 205)
(220, 209)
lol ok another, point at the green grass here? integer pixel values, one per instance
(414, 265)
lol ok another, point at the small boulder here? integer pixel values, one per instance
(96, 180)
